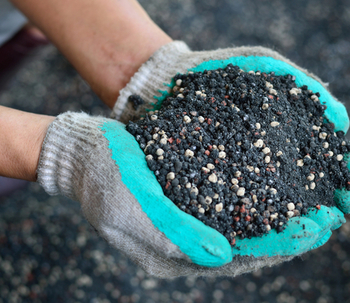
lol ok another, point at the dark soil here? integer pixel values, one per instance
(243, 152)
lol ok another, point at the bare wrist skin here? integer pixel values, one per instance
(21, 137)
(106, 41)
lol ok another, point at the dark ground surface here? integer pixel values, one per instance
(48, 253)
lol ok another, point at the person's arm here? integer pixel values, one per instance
(106, 41)
(21, 138)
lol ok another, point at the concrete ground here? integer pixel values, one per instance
(49, 253)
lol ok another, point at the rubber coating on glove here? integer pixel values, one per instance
(301, 235)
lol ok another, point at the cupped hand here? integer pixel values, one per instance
(97, 162)
(153, 83)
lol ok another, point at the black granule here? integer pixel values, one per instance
(243, 152)
(136, 101)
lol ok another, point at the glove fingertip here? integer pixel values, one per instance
(213, 253)
(339, 218)
(297, 238)
(342, 200)
(322, 241)
(202, 244)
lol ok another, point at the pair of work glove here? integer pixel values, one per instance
(95, 161)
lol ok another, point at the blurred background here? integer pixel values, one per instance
(49, 253)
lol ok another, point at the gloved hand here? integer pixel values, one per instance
(95, 161)
(303, 233)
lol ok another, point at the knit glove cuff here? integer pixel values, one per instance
(154, 76)
(149, 79)
(65, 151)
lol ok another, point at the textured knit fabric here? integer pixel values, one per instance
(76, 161)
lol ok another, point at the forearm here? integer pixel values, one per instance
(107, 41)
(21, 138)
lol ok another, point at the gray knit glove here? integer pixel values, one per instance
(95, 161)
